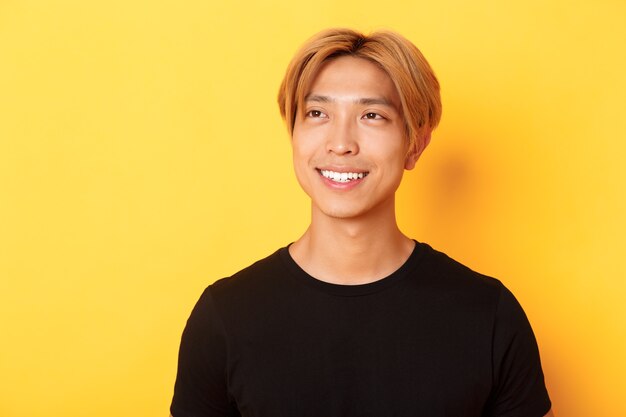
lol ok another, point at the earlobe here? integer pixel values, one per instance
(414, 154)
(411, 159)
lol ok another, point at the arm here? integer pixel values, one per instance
(519, 387)
(200, 388)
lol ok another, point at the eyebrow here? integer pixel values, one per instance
(365, 100)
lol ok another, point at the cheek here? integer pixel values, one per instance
(301, 160)
(304, 147)
(302, 172)
(299, 152)
(388, 151)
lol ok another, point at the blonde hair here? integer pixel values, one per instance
(413, 77)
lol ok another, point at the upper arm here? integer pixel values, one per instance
(519, 387)
(200, 387)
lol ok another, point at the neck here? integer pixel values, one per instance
(352, 251)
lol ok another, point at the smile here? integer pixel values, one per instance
(342, 176)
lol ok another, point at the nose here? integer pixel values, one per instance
(342, 137)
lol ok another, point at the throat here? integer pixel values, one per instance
(350, 261)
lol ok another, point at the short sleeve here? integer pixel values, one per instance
(519, 387)
(201, 388)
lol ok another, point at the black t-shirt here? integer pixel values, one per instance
(432, 339)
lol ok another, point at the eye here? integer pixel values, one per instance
(373, 116)
(314, 113)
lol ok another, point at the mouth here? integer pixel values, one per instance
(343, 177)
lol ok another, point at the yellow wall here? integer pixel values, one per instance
(142, 157)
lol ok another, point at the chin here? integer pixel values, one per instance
(341, 211)
(340, 214)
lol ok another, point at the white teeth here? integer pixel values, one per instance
(342, 176)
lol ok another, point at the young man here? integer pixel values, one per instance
(355, 318)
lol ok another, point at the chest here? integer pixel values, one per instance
(363, 356)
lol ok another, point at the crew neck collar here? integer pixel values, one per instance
(351, 290)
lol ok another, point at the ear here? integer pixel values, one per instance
(414, 154)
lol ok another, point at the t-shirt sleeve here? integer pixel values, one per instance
(519, 387)
(200, 388)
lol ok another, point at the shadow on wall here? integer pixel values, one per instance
(452, 191)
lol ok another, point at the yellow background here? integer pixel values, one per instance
(142, 157)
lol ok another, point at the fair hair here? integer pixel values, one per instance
(411, 74)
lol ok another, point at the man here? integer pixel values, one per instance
(355, 318)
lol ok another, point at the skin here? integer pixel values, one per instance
(352, 122)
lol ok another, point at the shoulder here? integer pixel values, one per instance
(463, 287)
(253, 281)
(448, 276)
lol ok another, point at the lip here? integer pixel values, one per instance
(342, 186)
(337, 168)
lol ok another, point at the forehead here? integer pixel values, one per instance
(353, 78)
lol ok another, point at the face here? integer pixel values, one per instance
(349, 144)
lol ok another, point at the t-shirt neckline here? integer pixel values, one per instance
(302, 276)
